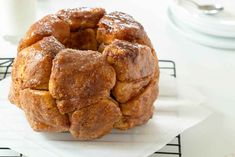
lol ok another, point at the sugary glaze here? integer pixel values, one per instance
(84, 71)
(81, 18)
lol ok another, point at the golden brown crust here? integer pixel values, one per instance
(95, 120)
(83, 91)
(131, 61)
(47, 26)
(124, 91)
(80, 18)
(14, 94)
(42, 112)
(86, 72)
(42, 127)
(140, 104)
(127, 122)
(134, 65)
(118, 25)
(34, 64)
(138, 110)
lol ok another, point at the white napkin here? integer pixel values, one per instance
(174, 114)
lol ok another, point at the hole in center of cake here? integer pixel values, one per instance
(83, 39)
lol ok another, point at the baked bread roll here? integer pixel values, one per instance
(85, 71)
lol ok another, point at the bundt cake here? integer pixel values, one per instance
(85, 71)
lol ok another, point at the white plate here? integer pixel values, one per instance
(220, 25)
(204, 39)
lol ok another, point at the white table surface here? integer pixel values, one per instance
(210, 71)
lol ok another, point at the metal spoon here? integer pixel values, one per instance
(209, 9)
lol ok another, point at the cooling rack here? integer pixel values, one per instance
(172, 149)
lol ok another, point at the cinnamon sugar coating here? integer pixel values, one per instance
(85, 71)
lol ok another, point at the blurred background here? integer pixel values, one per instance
(201, 44)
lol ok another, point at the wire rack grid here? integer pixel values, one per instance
(166, 66)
